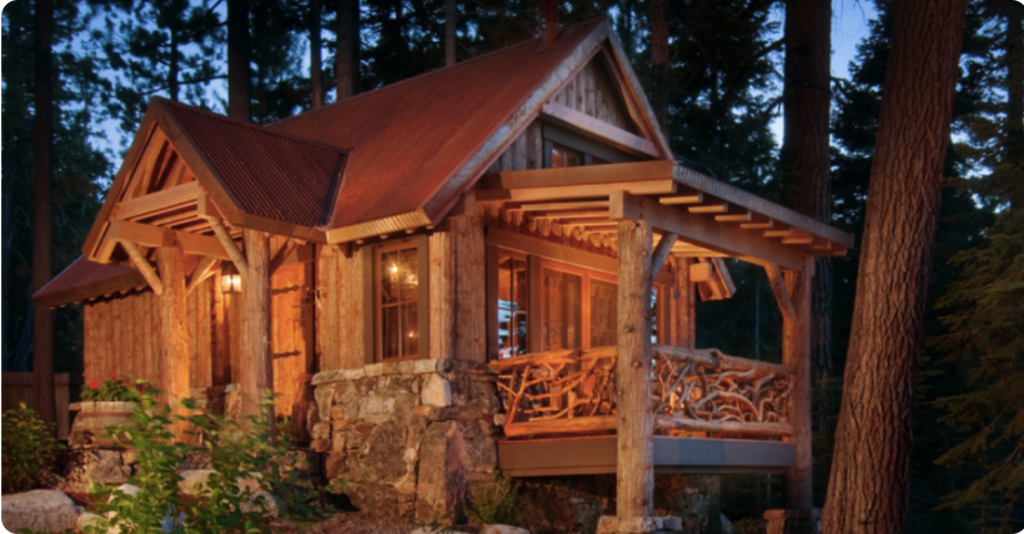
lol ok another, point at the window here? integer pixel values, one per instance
(565, 157)
(572, 306)
(397, 301)
(512, 305)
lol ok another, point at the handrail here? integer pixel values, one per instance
(572, 391)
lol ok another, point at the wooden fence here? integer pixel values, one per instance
(17, 388)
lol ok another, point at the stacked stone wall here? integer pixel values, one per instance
(408, 437)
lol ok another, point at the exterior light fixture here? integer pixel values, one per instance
(230, 280)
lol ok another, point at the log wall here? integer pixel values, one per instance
(341, 321)
(593, 92)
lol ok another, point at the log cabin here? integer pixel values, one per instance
(493, 265)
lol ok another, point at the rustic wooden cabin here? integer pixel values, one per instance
(492, 265)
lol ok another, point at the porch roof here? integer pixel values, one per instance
(711, 218)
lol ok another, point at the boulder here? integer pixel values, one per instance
(104, 466)
(436, 391)
(39, 511)
(192, 480)
(273, 507)
(503, 529)
(128, 490)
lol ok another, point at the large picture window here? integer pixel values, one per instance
(397, 301)
(575, 307)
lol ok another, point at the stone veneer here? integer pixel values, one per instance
(408, 437)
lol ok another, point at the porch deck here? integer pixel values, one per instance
(593, 455)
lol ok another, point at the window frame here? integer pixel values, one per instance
(374, 319)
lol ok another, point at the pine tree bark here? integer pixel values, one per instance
(868, 488)
(42, 213)
(449, 33)
(316, 89)
(662, 78)
(238, 60)
(805, 174)
(345, 66)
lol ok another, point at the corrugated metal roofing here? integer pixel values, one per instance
(269, 173)
(409, 138)
(84, 279)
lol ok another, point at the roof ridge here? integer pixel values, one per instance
(445, 68)
(250, 125)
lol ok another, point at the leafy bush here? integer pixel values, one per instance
(114, 389)
(29, 449)
(251, 452)
(494, 502)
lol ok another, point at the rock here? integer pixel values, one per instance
(192, 480)
(39, 511)
(438, 530)
(87, 519)
(263, 500)
(503, 529)
(128, 490)
(436, 391)
(440, 486)
(104, 466)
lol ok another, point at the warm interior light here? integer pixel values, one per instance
(394, 268)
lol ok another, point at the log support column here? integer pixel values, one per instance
(256, 368)
(174, 330)
(635, 469)
(793, 291)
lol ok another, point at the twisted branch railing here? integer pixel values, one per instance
(573, 392)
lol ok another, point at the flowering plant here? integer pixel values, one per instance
(113, 389)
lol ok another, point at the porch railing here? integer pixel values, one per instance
(694, 392)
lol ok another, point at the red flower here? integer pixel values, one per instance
(113, 377)
(93, 384)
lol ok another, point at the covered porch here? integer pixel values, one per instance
(638, 407)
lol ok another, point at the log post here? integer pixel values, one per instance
(470, 288)
(635, 469)
(684, 297)
(796, 353)
(256, 367)
(442, 294)
(174, 330)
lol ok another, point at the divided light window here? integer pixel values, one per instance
(397, 295)
(577, 308)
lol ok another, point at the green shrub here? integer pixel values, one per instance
(221, 504)
(494, 502)
(29, 449)
(114, 389)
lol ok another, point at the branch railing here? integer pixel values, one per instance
(693, 391)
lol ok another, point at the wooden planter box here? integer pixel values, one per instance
(95, 416)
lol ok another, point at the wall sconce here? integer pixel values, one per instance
(230, 280)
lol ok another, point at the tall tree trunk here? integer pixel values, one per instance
(662, 78)
(805, 156)
(316, 90)
(449, 33)
(42, 223)
(238, 60)
(868, 488)
(345, 66)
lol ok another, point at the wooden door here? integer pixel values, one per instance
(291, 341)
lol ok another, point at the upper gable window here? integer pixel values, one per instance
(564, 148)
(562, 156)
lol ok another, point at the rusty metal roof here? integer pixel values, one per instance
(409, 138)
(84, 279)
(268, 173)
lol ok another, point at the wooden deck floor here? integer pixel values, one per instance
(597, 455)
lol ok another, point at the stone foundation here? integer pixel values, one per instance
(576, 503)
(407, 437)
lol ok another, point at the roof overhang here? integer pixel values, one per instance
(712, 219)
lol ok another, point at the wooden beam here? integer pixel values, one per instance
(576, 425)
(158, 202)
(635, 470)
(256, 366)
(591, 190)
(236, 256)
(710, 208)
(702, 232)
(143, 266)
(781, 293)
(697, 198)
(662, 251)
(585, 175)
(200, 273)
(747, 430)
(155, 237)
(599, 129)
(279, 258)
(735, 217)
(559, 206)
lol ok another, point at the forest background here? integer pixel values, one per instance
(719, 89)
